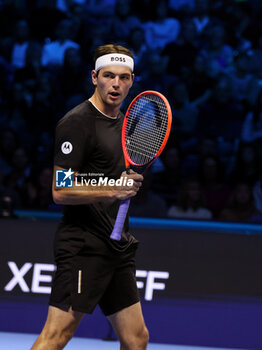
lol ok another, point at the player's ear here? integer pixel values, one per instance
(94, 75)
(133, 78)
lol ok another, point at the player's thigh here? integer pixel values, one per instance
(129, 323)
(59, 321)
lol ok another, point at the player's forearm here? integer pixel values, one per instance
(77, 197)
(72, 196)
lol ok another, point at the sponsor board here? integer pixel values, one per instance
(42, 274)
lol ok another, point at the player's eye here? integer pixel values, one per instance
(125, 77)
(108, 75)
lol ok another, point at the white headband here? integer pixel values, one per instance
(114, 59)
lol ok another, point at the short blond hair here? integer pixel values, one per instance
(111, 48)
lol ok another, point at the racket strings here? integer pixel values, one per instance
(146, 128)
(148, 136)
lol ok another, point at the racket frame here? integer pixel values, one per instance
(128, 161)
(124, 205)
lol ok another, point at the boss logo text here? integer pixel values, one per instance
(118, 59)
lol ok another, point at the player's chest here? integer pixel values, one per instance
(108, 146)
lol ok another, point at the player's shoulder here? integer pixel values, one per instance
(77, 116)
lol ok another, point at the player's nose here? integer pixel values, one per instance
(116, 81)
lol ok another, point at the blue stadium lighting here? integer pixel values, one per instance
(196, 225)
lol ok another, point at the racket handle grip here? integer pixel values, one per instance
(120, 219)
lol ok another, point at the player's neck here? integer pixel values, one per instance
(107, 110)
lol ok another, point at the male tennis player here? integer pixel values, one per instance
(92, 268)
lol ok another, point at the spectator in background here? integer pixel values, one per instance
(97, 35)
(167, 182)
(256, 57)
(207, 146)
(155, 77)
(219, 110)
(21, 169)
(53, 52)
(43, 105)
(186, 112)
(252, 125)
(182, 52)
(148, 203)
(13, 48)
(9, 198)
(43, 19)
(44, 188)
(196, 150)
(137, 88)
(20, 102)
(190, 203)
(199, 83)
(25, 86)
(100, 13)
(20, 45)
(6, 73)
(245, 85)
(137, 44)
(80, 25)
(211, 177)
(8, 144)
(244, 25)
(71, 75)
(241, 207)
(65, 5)
(123, 22)
(163, 29)
(7, 206)
(218, 51)
(182, 6)
(10, 13)
(247, 164)
(105, 7)
(201, 15)
(32, 68)
(43, 148)
(257, 188)
(37, 189)
(258, 147)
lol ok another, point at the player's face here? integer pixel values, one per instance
(113, 84)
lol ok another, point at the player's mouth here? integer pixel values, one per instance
(114, 95)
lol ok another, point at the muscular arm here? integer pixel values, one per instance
(92, 194)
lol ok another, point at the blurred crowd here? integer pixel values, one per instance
(205, 56)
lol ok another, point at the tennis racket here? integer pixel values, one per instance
(145, 132)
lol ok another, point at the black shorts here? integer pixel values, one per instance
(91, 279)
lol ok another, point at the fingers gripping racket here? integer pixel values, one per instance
(145, 132)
